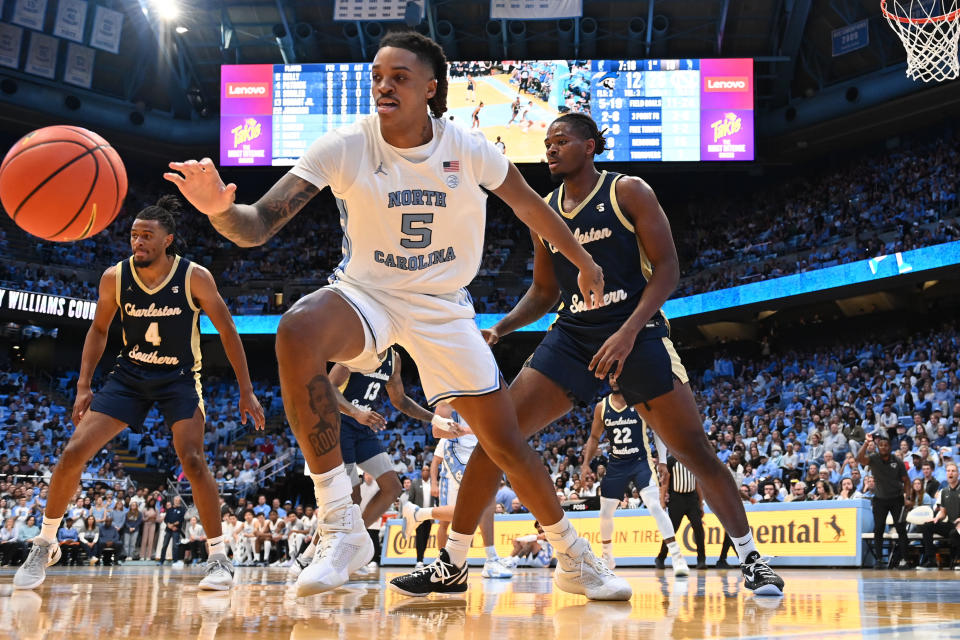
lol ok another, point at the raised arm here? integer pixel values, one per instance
(862, 459)
(243, 224)
(596, 432)
(539, 299)
(537, 214)
(205, 294)
(96, 341)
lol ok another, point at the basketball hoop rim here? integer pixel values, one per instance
(950, 17)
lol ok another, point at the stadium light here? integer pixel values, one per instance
(182, 29)
(166, 9)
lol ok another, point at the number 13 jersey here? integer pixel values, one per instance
(413, 219)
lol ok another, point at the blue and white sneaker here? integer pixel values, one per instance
(496, 569)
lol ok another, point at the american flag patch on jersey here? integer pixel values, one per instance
(451, 166)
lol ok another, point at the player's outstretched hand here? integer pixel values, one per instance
(250, 405)
(614, 351)
(372, 419)
(590, 281)
(200, 184)
(81, 404)
(491, 336)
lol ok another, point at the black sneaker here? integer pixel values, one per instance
(760, 578)
(659, 563)
(722, 564)
(439, 577)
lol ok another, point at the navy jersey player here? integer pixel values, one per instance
(410, 188)
(159, 295)
(629, 460)
(619, 221)
(359, 423)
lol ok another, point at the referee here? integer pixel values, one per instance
(684, 499)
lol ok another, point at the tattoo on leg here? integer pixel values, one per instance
(325, 435)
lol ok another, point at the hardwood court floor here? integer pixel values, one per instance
(149, 603)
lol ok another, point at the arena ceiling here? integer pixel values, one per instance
(170, 69)
(159, 68)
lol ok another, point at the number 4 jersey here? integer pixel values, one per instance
(413, 219)
(160, 325)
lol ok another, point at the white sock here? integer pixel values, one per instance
(332, 489)
(49, 529)
(744, 546)
(491, 552)
(561, 534)
(673, 548)
(215, 546)
(309, 551)
(458, 545)
(423, 514)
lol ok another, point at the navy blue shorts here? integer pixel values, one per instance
(565, 352)
(619, 474)
(130, 391)
(358, 443)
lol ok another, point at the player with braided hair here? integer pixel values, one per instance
(159, 295)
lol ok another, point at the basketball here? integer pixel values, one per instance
(62, 183)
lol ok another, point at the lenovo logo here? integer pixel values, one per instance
(726, 83)
(247, 89)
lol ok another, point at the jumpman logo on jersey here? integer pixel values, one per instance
(380, 169)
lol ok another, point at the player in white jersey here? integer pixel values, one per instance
(410, 189)
(450, 458)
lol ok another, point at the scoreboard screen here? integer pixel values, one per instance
(686, 110)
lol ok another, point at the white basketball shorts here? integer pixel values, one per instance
(438, 332)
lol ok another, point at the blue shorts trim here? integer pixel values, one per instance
(621, 472)
(565, 352)
(129, 394)
(357, 442)
(440, 397)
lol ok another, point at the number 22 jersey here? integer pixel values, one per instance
(413, 219)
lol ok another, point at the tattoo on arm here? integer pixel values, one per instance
(324, 437)
(252, 225)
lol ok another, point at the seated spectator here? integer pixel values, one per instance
(769, 493)
(11, 551)
(69, 539)
(90, 538)
(110, 545)
(848, 490)
(798, 492)
(946, 520)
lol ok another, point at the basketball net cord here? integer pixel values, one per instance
(929, 31)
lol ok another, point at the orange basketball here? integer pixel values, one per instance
(62, 183)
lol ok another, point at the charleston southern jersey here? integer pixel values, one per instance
(160, 325)
(362, 389)
(413, 219)
(607, 234)
(626, 431)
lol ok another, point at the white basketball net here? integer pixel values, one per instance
(929, 30)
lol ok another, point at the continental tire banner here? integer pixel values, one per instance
(810, 534)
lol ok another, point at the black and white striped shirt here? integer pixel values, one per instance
(682, 479)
